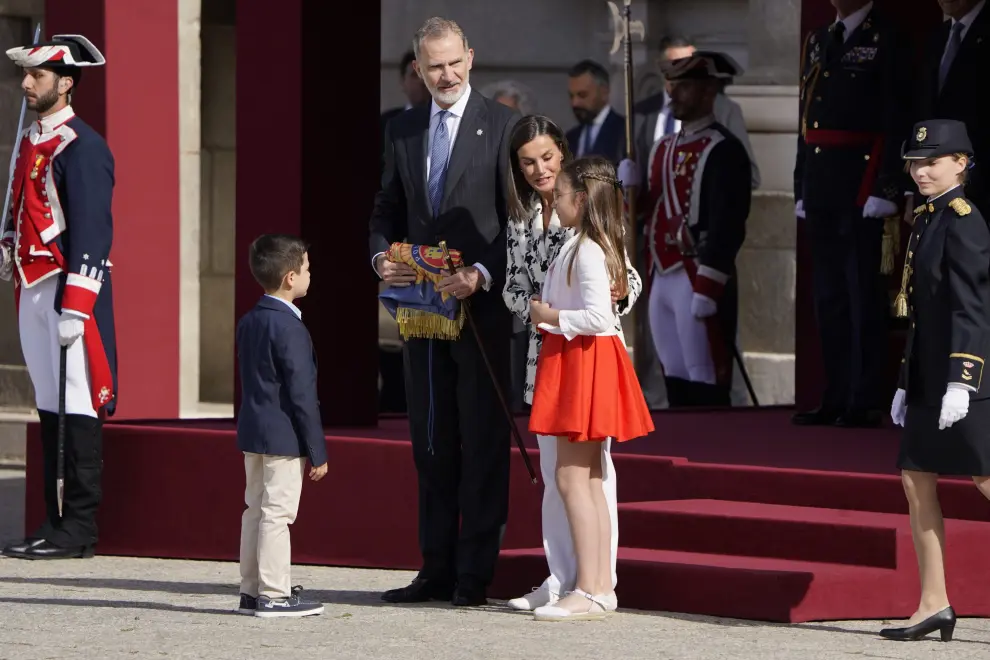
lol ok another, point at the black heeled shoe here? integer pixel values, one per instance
(944, 622)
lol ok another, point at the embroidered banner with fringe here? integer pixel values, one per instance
(420, 310)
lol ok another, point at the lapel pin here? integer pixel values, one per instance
(480, 131)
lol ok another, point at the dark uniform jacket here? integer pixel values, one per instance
(959, 99)
(854, 111)
(947, 273)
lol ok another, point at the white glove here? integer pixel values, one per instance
(799, 209)
(6, 261)
(70, 328)
(628, 173)
(898, 409)
(955, 405)
(879, 208)
(702, 306)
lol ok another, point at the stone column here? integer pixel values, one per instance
(133, 102)
(303, 168)
(17, 21)
(190, 58)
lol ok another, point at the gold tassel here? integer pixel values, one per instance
(415, 323)
(900, 305)
(891, 244)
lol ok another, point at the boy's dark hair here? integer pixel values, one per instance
(407, 59)
(273, 256)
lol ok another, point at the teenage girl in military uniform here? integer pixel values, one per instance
(945, 295)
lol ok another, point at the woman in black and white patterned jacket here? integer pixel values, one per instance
(538, 150)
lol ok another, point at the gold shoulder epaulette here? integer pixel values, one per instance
(919, 210)
(960, 206)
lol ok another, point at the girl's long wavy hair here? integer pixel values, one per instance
(602, 215)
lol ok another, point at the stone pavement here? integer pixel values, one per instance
(112, 607)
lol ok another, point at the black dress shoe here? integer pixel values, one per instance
(15, 549)
(469, 593)
(421, 590)
(944, 622)
(819, 417)
(860, 419)
(48, 550)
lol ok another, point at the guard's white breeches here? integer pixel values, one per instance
(557, 541)
(38, 324)
(680, 339)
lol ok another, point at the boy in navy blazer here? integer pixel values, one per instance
(278, 426)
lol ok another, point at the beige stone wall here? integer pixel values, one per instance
(17, 21)
(217, 199)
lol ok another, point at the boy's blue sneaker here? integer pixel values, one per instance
(248, 604)
(293, 606)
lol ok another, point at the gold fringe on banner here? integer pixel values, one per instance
(414, 323)
(891, 244)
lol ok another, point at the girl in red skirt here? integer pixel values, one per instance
(586, 389)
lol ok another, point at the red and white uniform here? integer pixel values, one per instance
(699, 191)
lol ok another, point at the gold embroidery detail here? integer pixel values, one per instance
(960, 206)
(919, 210)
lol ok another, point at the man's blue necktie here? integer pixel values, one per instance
(438, 161)
(669, 126)
(951, 49)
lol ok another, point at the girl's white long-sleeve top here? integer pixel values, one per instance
(585, 304)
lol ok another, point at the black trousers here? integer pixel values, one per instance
(83, 480)
(460, 440)
(851, 307)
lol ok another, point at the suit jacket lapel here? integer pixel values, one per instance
(971, 47)
(418, 145)
(468, 137)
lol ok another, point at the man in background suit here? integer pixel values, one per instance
(412, 88)
(460, 437)
(601, 131)
(957, 55)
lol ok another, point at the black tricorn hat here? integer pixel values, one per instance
(702, 65)
(937, 137)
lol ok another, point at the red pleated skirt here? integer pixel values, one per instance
(586, 389)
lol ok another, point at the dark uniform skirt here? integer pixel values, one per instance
(963, 449)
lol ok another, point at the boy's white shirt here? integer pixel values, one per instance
(295, 310)
(586, 304)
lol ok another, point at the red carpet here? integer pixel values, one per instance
(730, 513)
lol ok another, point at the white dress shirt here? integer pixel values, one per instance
(295, 310)
(967, 22)
(453, 122)
(658, 132)
(854, 20)
(585, 303)
(590, 131)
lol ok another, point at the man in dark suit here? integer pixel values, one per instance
(601, 131)
(848, 177)
(956, 56)
(445, 179)
(412, 87)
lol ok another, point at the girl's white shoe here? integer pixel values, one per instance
(597, 609)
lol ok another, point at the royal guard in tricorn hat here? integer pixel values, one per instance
(57, 240)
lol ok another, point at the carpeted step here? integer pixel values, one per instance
(732, 586)
(860, 538)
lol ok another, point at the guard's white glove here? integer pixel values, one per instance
(898, 409)
(877, 207)
(799, 209)
(955, 405)
(628, 173)
(70, 328)
(702, 306)
(6, 261)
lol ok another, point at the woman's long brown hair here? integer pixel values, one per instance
(602, 217)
